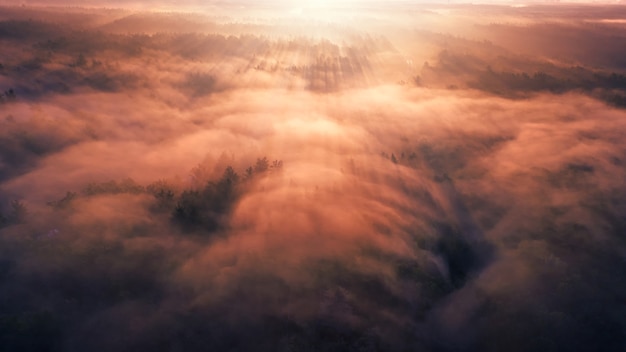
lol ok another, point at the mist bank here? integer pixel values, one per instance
(361, 188)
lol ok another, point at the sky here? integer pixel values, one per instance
(288, 3)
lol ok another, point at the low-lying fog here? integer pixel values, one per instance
(408, 178)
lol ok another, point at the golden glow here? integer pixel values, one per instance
(312, 176)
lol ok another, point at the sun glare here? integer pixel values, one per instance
(318, 3)
(324, 4)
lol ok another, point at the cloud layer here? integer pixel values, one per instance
(382, 184)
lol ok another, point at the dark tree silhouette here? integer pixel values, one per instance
(64, 202)
(163, 193)
(249, 173)
(261, 165)
(277, 164)
(204, 209)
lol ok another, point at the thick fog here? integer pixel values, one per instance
(402, 178)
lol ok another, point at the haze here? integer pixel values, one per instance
(312, 176)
